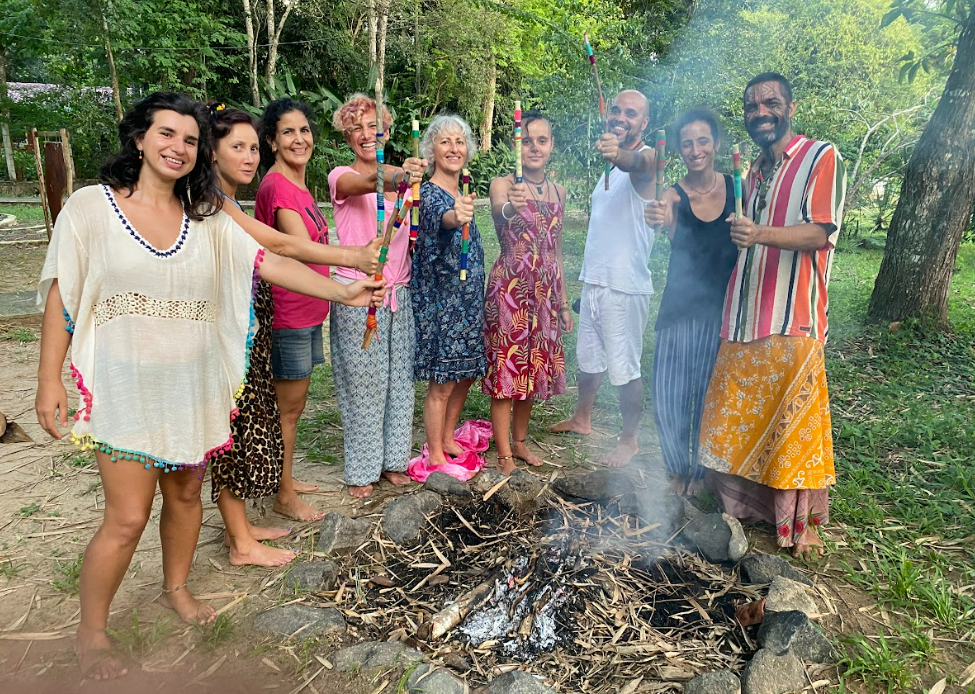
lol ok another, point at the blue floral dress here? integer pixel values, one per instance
(448, 313)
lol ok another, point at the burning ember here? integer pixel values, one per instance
(594, 599)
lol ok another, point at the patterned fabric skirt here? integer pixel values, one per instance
(767, 428)
(252, 467)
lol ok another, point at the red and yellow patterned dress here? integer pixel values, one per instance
(521, 309)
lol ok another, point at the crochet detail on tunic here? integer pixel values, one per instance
(89, 442)
(133, 304)
(184, 229)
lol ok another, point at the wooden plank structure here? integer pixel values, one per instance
(55, 170)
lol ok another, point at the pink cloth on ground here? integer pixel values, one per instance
(474, 437)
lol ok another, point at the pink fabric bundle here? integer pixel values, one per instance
(474, 437)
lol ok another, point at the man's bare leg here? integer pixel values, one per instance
(631, 407)
(581, 420)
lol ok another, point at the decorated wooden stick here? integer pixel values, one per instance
(602, 102)
(380, 200)
(465, 234)
(415, 215)
(661, 162)
(394, 220)
(736, 164)
(518, 173)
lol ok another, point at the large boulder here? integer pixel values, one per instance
(425, 679)
(600, 485)
(517, 682)
(718, 537)
(405, 517)
(768, 673)
(339, 534)
(762, 568)
(792, 632)
(313, 575)
(785, 595)
(373, 654)
(445, 485)
(718, 682)
(301, 621)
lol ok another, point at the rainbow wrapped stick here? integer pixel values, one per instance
(661, 152)
(736, 164)
(602, 102)
(371, 324)
(415, 214)
(394, 221)
(518, 172)
(465, 234)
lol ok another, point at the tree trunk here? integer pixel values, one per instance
(372, 32)
(251, 53)
(487, 125)
(935, 203)
(8, 152)
(382, 15)
(274, 38)
(116, 95)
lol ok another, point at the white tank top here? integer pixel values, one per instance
(618, 242)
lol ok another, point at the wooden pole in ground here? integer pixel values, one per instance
(36, 140)
(68, 160)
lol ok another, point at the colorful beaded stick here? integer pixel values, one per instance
(394, 221)
(518, 173)
(465, 234)
(736, 163)
(415, 214)
(371, 324)
(602, 102)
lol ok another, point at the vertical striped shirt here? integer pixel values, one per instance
(778, 292)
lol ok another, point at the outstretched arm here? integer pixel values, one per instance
(293, 276)
(350, 184)
(51, 403)
(362, 258)
(799, 237)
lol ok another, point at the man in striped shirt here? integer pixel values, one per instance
(766, 428)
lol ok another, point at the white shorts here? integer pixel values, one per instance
(611, 327)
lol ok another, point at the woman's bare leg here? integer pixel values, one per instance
(434, 415)
(291, 401)
(245, 549)
(455, 405)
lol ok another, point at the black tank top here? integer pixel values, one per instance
(702, 257)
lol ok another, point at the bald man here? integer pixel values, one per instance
(616, 289)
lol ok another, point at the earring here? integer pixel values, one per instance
(140, 155)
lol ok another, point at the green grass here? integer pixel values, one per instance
(68, 575)
(218, 632)
(137, 639)
(24, 213)
(19, 334)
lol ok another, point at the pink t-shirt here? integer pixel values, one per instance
(278, 193)
(355, 225)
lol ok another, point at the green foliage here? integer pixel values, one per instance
(216, 633)
(68, 575)
(138, 640)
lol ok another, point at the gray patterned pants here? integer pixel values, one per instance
(374, 388)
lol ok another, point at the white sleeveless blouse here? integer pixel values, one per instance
(161, 338)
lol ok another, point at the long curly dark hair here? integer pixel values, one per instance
(198, 189)
(267, 127)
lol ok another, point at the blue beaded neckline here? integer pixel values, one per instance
(172, 250)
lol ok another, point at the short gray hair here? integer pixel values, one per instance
(446, 121)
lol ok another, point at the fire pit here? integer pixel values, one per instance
(593, 599)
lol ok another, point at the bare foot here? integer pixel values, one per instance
(810, 544)
(678, 484)
(260, 534)
(621, 455)
(694, 488)
(189, 609)
(399, 479)
(521, 451)
(573, 425)
(96, 657)
(304, 487)
(751, 613)
(296, 509)
(363, 492)
(257, 554)
(506, 464)
(452, 448)
(437, 459)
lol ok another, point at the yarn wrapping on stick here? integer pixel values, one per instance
(465, 234)
(518, 170)
(736, 164)
(371, 324)
(395, 220)
(415, 214)
(602, 102)
(661, 157)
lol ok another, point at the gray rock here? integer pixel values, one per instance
(444, 484)
(718, 682)
(313, 575)
(371, 654)
(403, 519)
(517, 682)
(691, 512)
(429, 680)
(762, 568)
(785, 595)
(768, 673)
(340, 534)
(526, 484)
(738, 544)
(785, 632)
(485, 480)
(594, 486)
(524, 493)
(301, 621)
(711, 534)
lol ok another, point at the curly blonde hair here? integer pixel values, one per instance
(348, 114)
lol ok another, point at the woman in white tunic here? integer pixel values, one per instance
(152, 287)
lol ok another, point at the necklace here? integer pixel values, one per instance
(714, 180)
(538, 184)
(544, 196)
